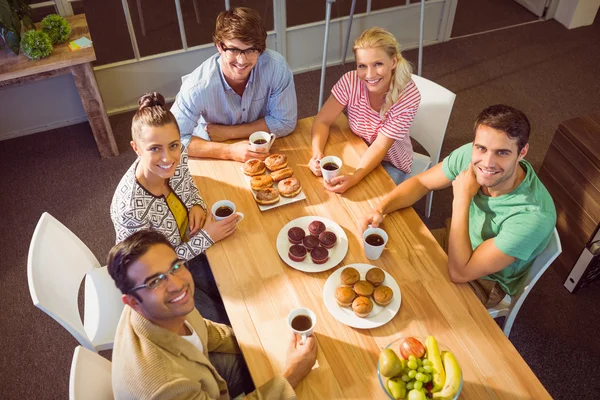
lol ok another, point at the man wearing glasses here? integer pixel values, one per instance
(164, 349)
(243, 89)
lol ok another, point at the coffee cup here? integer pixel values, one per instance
(223, 209)
(262, 140)
(302, 322)
(331, 166)
(374, 241)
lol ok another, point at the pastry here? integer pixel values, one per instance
(349, 276)
(289, 187)
(297, 253)
(276, 161)
(376, 276)
(282, 174)
(316, 227)
(363, 288)
(267, 196)
(261, 182)
(319, 255)
(383, 295)
(310, 242)
(362, 306)
(254, 167)
(295, 235)
(327, 239)
(344, 296)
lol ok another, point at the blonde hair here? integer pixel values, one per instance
(378, 38)
(151, 112)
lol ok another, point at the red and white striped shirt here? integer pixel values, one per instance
(365, 122)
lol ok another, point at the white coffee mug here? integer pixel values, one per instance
(327, 174)
(269, 138)
(374, 252)
(307, 313)
(228, 204)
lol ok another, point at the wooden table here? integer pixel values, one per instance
(15, 70)
(259, 289)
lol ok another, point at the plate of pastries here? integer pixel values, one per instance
(312, 244)
(362, 296)
(272, 182)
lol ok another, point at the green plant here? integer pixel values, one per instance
(56, 27)
(14, 14)
(36, 44)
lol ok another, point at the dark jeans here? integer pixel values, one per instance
(233, 369)
(206, 295)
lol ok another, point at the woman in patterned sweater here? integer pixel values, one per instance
(381, 101)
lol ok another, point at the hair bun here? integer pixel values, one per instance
(151, 100)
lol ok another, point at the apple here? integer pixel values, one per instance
(411, 346)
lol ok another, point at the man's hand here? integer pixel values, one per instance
(465, 186)
(300, 359)
(315, 165)
(217, 133)
(196, 219)
(242, 151)
(341, 183)
(374, 218)
(219, 230)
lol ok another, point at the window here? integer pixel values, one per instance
(108, 29)
(156, 26)
(301, 12)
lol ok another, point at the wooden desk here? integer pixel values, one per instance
(259, 289)
(15, 70)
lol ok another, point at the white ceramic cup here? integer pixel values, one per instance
(302, 311)
(269, 137)
(225, 203)
(374, 252)
(329, 175)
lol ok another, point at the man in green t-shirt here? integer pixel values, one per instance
(502, 215)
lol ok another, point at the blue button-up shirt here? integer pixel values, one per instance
(206, 98)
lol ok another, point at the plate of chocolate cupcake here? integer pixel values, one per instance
(312, 244)
(362, 296)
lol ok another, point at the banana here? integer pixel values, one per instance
(453, 374)
(433, 355)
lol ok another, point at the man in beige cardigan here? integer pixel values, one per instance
(164, 349)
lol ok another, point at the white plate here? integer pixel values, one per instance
(336, 254)
(282, 200)
(379, 316)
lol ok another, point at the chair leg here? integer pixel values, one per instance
(428, 201)
(508, 323)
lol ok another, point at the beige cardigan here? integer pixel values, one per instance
(151, 362)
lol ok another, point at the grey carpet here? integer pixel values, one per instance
(547, 71)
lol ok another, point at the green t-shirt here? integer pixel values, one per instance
(520, 222)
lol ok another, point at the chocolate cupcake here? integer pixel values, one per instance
(297, 253)
(295, 235)
(363, 288)
(319, 255)
(316, 227)
(349, 276)
(327, 239)
(310, 242)
(376, 276)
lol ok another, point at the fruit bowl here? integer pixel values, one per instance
(383, 381)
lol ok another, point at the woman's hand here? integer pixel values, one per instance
(218, 230)
(341, 183)
(196, 218)
(315, 165)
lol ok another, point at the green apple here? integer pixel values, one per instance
(416, 394)
(397, 388)
(389, 363)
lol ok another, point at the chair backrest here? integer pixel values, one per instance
(57, 263)
(90, 376)
(429, 125)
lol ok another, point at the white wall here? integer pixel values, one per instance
(576, 13)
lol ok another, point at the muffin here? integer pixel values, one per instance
(362, 306)
(349, 277)
(319, 255)
(376, 276)
(363, 288)
(383, 295)
(295, 235)
(310, 242)
(327, 239)
(344, 296)
(316, 227)
(297, 253)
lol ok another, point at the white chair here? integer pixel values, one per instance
(90, 377)
(509, 306)
(429, 127)
(58, 262)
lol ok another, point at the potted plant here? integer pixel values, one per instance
(14, 15)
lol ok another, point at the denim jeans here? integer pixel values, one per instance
(206, 294)
(397, 176)
(233, 369)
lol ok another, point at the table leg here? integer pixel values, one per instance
(85, 80)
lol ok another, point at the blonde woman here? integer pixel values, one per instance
(381, 101)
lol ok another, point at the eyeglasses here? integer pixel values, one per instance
(161, 280)
(233, 52)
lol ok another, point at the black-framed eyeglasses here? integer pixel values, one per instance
(234, 52)
(161, 279)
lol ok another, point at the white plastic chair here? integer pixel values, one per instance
(90, 377)
(509, 306)
(429, 127)
(58, 262)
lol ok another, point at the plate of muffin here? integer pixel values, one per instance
(272, 182)
(362, 296)
(312, 244)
